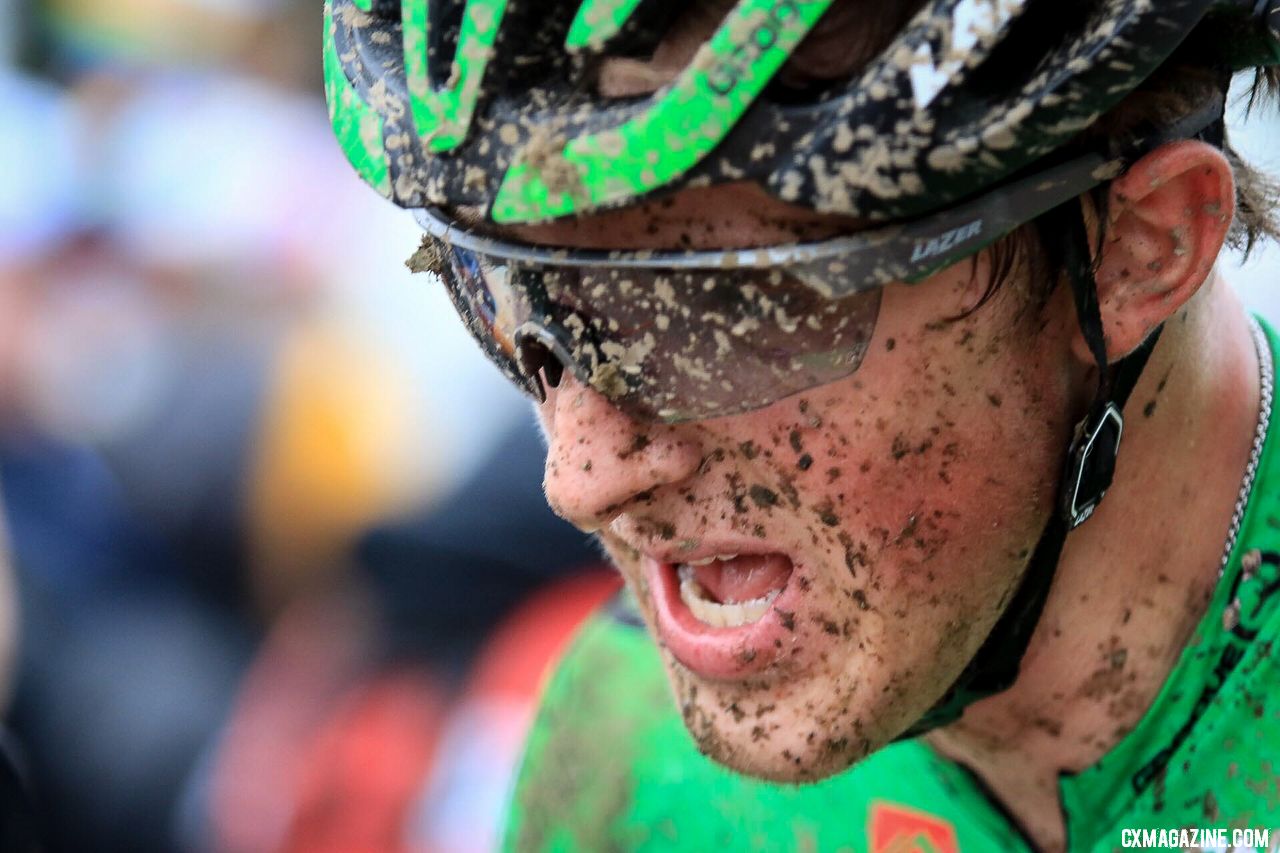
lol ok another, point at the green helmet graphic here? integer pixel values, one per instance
(490, 103)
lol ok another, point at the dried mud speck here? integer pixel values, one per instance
(638, 444)
(1210, 806)
(789, 491)
(737, 493)
(763, 497)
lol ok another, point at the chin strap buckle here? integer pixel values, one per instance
(1091, 463)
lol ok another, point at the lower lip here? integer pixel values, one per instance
(726, 654)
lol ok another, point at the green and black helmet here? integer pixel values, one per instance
(492, 104)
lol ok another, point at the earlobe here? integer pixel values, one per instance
(1167, 219)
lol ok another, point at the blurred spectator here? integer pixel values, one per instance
(268, 40)
(461, 804)
(212, 379)
(445, 578)
(126, 665)
(40, 133)
(395, 724)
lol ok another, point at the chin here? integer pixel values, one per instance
(787, 732)
(803, 766)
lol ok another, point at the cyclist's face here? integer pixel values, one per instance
(881, 521)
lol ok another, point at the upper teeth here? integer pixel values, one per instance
(714, 613)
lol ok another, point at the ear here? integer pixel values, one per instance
(1167, 219)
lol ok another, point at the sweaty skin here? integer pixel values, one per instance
(909, 496)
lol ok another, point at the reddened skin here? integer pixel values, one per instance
(1167, 220)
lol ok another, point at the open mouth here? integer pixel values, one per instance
(726, 616)
(729, 591)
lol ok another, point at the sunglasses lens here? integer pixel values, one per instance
(661, 344)
(493, 309)
(684, 346)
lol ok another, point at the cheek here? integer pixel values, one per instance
(940, 457)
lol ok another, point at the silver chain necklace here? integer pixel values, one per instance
(1266, 373)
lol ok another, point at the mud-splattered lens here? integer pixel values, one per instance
(689, 345)
(664, 344)
(491, 309)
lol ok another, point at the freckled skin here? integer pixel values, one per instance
(892, 529)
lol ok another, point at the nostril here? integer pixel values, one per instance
(533, 358)
(537, 361)
(552, 372)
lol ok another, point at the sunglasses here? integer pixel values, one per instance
(680, 336)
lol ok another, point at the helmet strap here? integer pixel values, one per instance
(1088, 473)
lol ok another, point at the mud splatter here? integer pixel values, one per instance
(763, 497)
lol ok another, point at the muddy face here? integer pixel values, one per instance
(817, 572)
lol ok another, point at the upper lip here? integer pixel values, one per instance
(707, 547)
(700, 561)
(694, 556)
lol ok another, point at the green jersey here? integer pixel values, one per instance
(609, 765)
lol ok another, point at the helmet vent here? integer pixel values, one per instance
(388, 10)
(1035, 36)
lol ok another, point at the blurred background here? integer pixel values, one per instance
(275, 569)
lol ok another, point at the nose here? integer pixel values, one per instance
(600, 459)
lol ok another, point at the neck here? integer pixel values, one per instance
(1133, 581)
